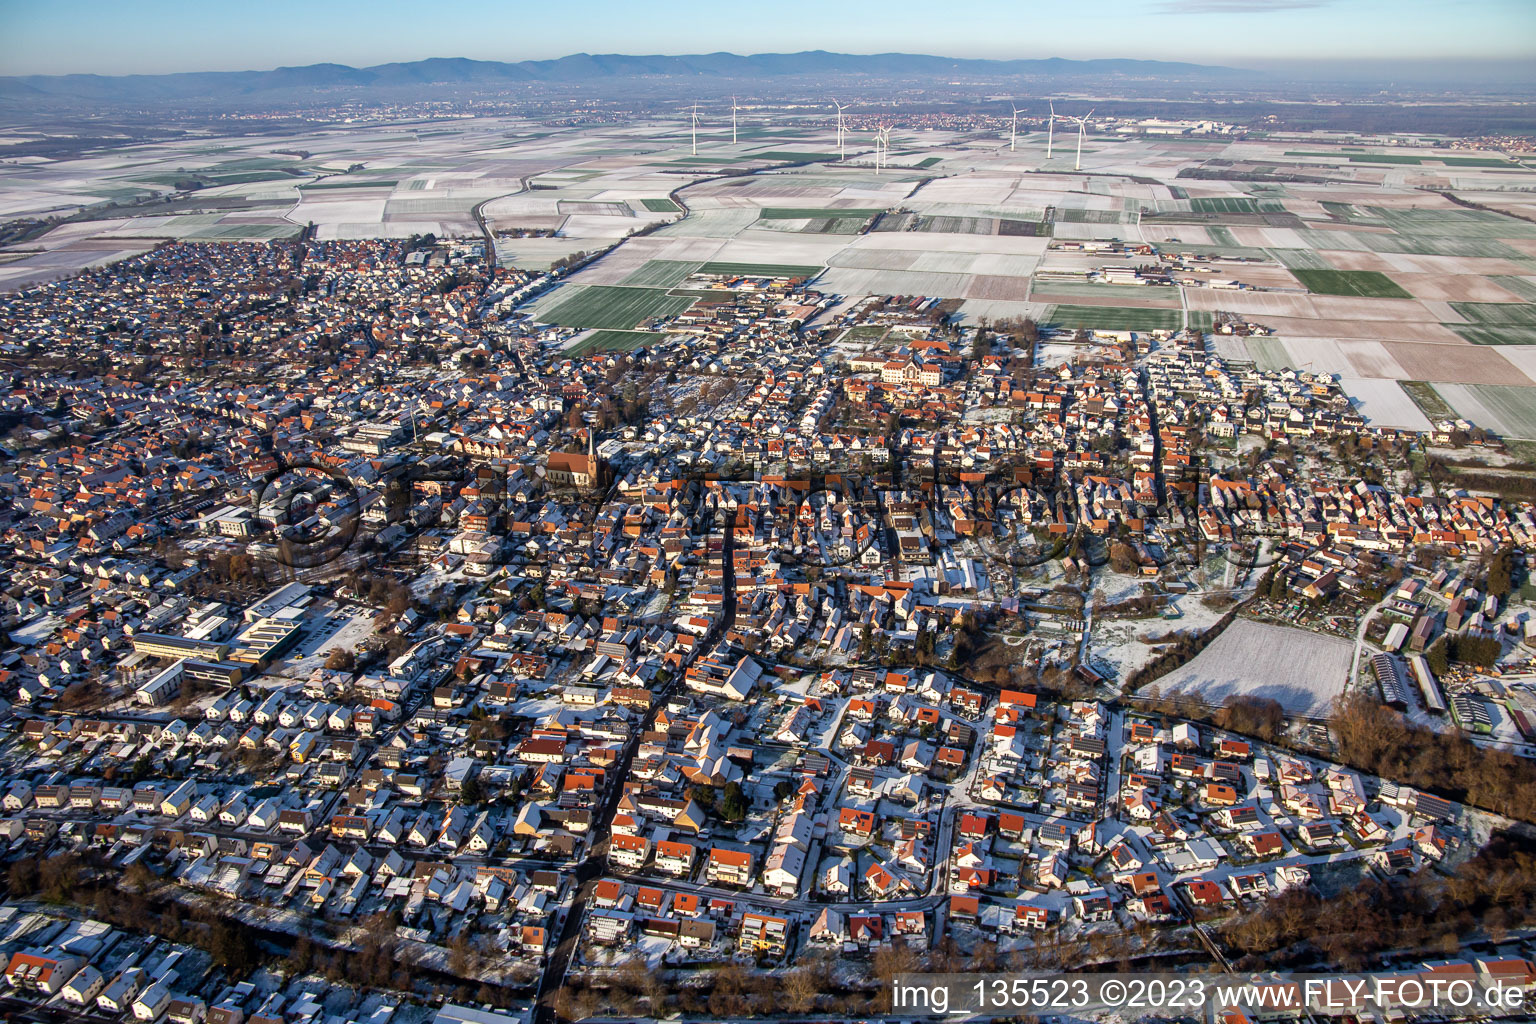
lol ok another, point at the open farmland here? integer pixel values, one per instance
(813, 213)
(1113, 318)
(613, 307)
(1246, 661)
(1508, 411)
(661, 274)
(1365, 283)
(1518, 314)
(1404, 278)
(1496, 335)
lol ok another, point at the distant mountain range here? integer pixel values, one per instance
(457, 73)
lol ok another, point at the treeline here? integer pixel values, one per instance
(1494, 891)
(64, 879)
(1468, 649)
(1180, 652)
(1375, 739)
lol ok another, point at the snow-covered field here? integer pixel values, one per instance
(1303, 671)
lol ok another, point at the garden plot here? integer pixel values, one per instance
(1304, 672)
(1508, 411)
(1384, 403)
(994, 286)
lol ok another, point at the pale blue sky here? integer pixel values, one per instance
(158, 36)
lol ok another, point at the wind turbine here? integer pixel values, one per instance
(1050, 132)
(733, 120)
(839, 107)
(695, 127)
(1082, 126)
(1013, 129)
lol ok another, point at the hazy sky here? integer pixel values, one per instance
(157, 36)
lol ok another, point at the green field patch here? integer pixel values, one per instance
(318, 186)
(661, 273)
(614, 307)
(759, 270)
(1371, 284)
(927, 162)
(1023, 228)
(614, 341)
(946, 225)
(661, 206)
(1470, 161)
(1200, 320)
(1479, 224)
(1505, 409)
(1498, 313)
(1220, 235)
(1113, 318)
(811, 213)
(1525, 287)
(1497, 335)
(1269, 354)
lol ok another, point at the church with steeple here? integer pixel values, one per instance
(582, 471)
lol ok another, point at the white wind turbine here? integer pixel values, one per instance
(695, 128)
(882, 146)
(839, 107)
(1082, 127)
(1050, 132)
(733, 120)
(1013, 129)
